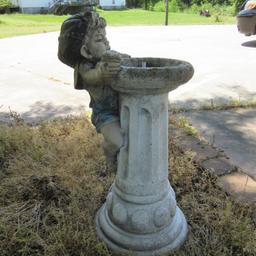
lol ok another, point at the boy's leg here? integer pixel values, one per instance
(113, 141)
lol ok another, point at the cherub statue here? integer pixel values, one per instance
(83, 46)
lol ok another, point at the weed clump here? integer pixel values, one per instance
(51, 189)
(46, 189)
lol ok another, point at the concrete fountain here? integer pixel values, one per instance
(140, 215)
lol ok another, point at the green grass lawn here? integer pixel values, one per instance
(142, 17)
(24, 24)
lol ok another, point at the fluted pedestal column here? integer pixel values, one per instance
(140, 215)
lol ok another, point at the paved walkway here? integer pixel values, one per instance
(230, 176)
(37, 86)
(233, 131)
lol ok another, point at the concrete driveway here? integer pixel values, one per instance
(36, 85)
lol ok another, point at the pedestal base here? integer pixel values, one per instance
(154, 244)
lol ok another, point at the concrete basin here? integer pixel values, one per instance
(152, 75)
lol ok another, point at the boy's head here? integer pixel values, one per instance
(95, 43)
(82, 36)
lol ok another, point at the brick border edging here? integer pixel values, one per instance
(231, 178)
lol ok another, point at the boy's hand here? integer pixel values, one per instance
(111, 64)
(110, 69)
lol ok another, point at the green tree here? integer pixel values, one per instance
(5, 3)
(174, 6)
(238, 4)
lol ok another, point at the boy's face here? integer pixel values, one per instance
(98, 43)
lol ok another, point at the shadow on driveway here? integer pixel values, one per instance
(41, 111)
(250, 44)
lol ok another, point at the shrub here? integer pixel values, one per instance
(159, 6)
(228, 10)
(237, 5)
(174, 6)
(207, 6)
(5, 4)
(215, 10)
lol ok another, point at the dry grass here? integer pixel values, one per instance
(51, 188)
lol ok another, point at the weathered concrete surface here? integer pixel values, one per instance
(141, 216)
(234, 131)
(220, 165)
(35, 83)
(239, 185)
(204, 155)
(215, 161)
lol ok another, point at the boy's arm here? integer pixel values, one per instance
(90, 76)
(103, 72)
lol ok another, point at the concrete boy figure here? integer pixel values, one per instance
(83, 46)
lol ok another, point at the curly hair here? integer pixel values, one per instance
(75, 32)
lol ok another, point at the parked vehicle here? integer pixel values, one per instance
(246, 18)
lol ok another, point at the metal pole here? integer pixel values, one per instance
(166, 12)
